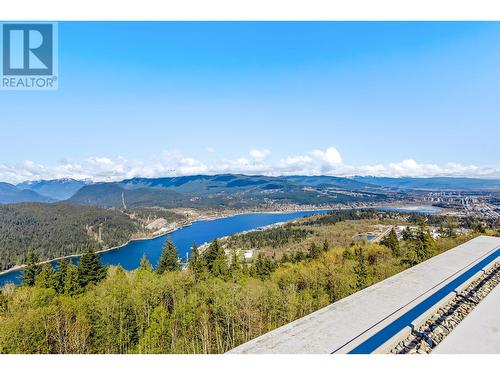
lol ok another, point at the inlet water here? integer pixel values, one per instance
(129, 256)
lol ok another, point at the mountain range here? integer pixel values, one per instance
(12, 194)
(60, 189)
(227, 190)
(231, 189)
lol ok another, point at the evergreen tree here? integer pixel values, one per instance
(60, 275)
(216, 260)
(426, 243)
(263, 266)
(407, 234)
(145, 264)
(211, 253)
(63, 266)
(392, 242)
(71, 284)
(421, 247)
(235, 269)
(197, 262)
(47, 278)
(360, 269)
(235, 262)
(89, 268)
(31, 270)
(169, 259)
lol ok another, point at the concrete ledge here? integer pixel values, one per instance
(395, 340)
(478, 333)
(460, 289)
(388, 320)
(432, 310)
(490, 266)
(348, 322)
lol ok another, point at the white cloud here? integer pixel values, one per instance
(259, 155)
(187, 166)
(330, 157)
(300, 164)
(175, 163)
(411, 168)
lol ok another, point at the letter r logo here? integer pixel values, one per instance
(27, 49)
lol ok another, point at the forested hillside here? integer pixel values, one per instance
(223, 191)
(217, 303)
(53, 230)
(115, 195)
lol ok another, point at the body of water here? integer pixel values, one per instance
(129, 256)
(367, 236)
(426, 210)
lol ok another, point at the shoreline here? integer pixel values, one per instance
(224, 216)
(154, 236)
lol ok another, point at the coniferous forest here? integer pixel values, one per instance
(55, 230)
(216, 303)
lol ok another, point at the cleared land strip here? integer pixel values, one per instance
(430, 330)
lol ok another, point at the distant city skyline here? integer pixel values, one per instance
(416, 99)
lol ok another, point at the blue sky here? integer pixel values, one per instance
(381, 98)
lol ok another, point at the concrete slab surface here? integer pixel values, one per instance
(343, 322)
(479, 332)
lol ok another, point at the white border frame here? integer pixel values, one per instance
(61, 10)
